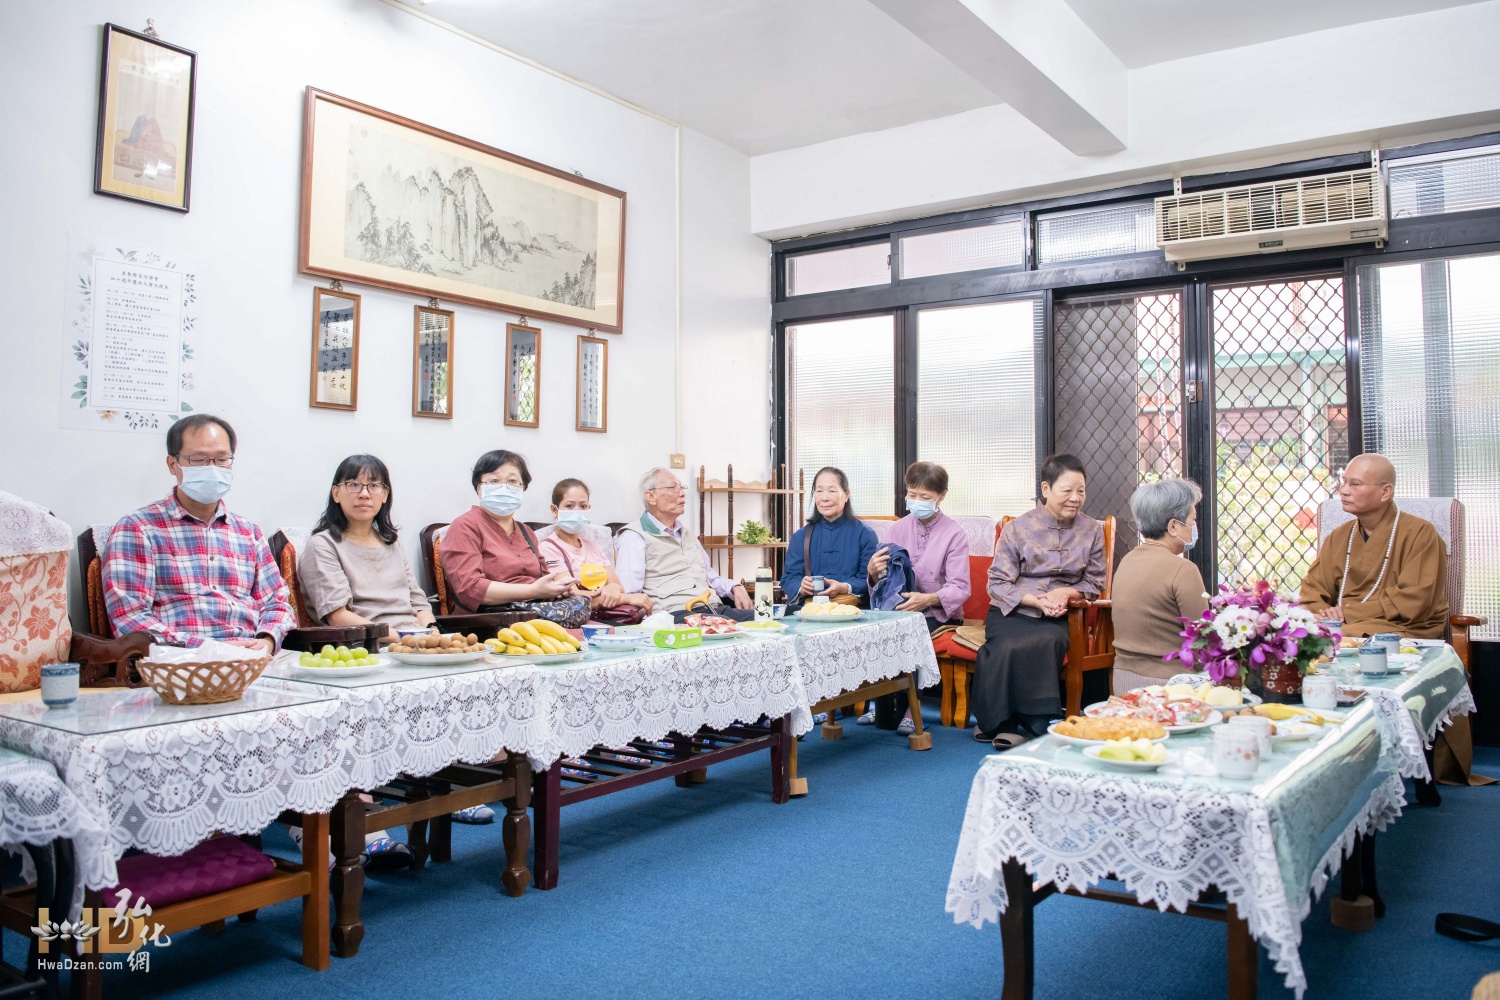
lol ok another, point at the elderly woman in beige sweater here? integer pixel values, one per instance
(1156, 585)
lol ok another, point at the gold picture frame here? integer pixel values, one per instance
(143, 148)
(523, 375)
(432, 363)
(394, 203)
(592, 409)
(335, 351)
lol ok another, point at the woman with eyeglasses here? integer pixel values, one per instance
(353, 572)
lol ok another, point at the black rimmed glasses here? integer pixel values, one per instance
(355, 486)
(195, 461)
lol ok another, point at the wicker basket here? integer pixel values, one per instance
(205, 683)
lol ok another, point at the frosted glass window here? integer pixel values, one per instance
(1106, 232)
(976, 403)
(841, 400)
(1000, 244)
(1430, 373)
(1460, 181)
(831, 270)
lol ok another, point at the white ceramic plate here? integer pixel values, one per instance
(1077, 742)
(1214, 717)
(368, 668)
(506, 658)
(1296, 732)
(769, 628)
(722, 635)
(1092, 753)
(615, 643)
(829, 619)
(435, 659)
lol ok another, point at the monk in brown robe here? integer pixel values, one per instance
(1385, 570)
(1373, 582)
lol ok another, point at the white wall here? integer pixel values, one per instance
(1396, 80)
(255, 60)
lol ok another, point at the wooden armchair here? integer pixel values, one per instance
(1091, 635)
(1446, 515)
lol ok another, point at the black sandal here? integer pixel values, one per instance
(1463, 927)
(1008, 741)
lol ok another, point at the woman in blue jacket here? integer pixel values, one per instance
(833, 544)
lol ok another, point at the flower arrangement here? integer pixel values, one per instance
(1253, 630)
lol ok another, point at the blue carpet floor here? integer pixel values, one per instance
(713, 891)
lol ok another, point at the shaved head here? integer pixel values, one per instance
(1372, 468)
(1368, 486)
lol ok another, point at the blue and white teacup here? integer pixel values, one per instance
(1390, 640)
(1373, 661)
(59, 684)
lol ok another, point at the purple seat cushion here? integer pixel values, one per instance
(213, 866)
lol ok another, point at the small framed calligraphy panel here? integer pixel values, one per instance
(335, 350)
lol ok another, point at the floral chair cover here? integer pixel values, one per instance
(34, 626)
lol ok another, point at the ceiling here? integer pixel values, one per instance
(768, 75)
(1144, 32)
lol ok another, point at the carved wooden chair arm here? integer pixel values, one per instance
(109, 662)
(1468, 621)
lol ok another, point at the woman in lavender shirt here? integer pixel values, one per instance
(939, 553)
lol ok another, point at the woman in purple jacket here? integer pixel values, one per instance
(939, 553)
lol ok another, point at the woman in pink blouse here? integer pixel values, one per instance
(569, 548)
(1045, 558)
(939, 553)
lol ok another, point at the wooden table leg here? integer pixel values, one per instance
(781, 753)
(440, 828)
(682, 748)
(347, 826)
(416, 833)
(1427, 791)
(1244, 958)
(546, 807)
(1352, 910)
(832, 729)
(1367, 872)
(315, 903)
(795, 783)
(962, 676)
(516, 830)
(920, 739)
(1018, 933)
(945, 710)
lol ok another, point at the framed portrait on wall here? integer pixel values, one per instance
(432, 364)
(390, 202)
(593, 385)
(144, 148)
(523, 375)
(335, 351)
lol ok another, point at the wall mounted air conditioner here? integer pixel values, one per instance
(1322, 211)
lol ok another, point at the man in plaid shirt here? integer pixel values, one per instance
(185, 568)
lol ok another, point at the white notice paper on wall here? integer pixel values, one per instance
(129, 343)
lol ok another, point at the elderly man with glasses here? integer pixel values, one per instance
(185, 568)
(659, 557)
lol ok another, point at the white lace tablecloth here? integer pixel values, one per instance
(1072, 823)
(37, 808)
(838, 658)
(165, 788)
(1412, 708)
(420, 726)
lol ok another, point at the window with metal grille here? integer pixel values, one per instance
(976, 403)
(840, 392)
(1095, 232)
(831, 270)
(974, 248)
(1118, 402)
(1430, 386)
(1458, 181)
(1280, 389)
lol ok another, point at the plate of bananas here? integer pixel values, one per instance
(535, 641)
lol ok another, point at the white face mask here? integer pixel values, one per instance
(1191, 542)
(206, 483)
(500, 498)
(573, 520)
(921, 509)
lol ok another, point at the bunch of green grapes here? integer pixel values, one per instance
(343, 656)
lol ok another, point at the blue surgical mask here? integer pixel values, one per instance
(206, 483)
(1189, 544)
(500, 498)
(921, 509)
(573, 520)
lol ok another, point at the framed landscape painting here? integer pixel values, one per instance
(144, 147)
(393, 203)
